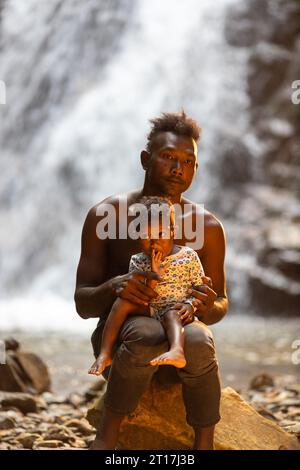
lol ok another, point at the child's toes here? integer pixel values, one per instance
(93, 369)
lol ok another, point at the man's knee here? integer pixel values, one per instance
(199, 347)
(140, 333)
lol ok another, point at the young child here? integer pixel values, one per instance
(178, 266)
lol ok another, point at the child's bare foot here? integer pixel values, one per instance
(174, 357)
(100, 364)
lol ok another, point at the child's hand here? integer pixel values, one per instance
(156, 257)
(186, 313)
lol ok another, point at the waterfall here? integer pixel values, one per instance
(82, 82)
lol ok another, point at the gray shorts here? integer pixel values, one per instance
(158, 311)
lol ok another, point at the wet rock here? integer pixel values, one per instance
(272, 294)
(22, 401)
(268, 66)
(234, 162)
(261, 381)
(268, 30)
(160, 423)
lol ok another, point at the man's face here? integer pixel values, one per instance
(172, 163)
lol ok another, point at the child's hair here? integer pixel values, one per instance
(159, 205)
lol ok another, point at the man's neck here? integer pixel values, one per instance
(151, 190)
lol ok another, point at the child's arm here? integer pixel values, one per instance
(155, 267)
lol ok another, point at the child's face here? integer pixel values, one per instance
(159, 238)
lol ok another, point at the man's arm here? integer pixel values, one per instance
(94, 295)
(214, 301)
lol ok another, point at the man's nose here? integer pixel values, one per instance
(176, 168)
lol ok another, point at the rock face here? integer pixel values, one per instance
(159, 423)
(261, 182)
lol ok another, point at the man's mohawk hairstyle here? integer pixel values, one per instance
(178, 123)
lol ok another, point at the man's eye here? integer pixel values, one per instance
(189, 162)
(169, 156)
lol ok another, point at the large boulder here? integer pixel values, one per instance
(159, 423)
(23, 371)
(22, 401)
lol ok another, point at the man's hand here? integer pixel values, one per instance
(132, 287)
(204, 295)
(185, 312)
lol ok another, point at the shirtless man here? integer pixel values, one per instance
(170, 163)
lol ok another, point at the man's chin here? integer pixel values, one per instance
(174, 191)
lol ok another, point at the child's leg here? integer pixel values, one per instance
(121, 308)
(175, 333)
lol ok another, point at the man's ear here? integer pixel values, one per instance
(145, 157)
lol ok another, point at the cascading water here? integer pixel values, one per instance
(82, 81)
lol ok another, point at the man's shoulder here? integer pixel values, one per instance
(214, 233)
(114, 200)
(211, 221)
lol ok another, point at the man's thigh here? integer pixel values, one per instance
(142, 329)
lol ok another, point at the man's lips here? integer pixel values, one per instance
(175, 181)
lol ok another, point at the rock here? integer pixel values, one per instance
(11, 344)
(93, 391)
(261, 381)
(51, 398)
(36, 370)
(294, 388)
(159, 423)
(79, 444)
(60, 433)
(28, 439)
(22, 401)
(294, 429)
(48, 444)
(23, 371)
(5, 446)
(273, 294)
(12, 377)
(75, 399)
(234, 162)
(81, 426)
(6, 423)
